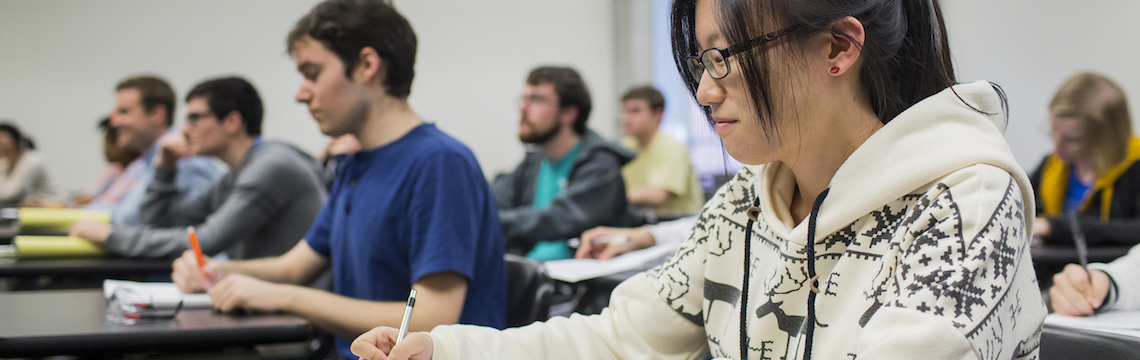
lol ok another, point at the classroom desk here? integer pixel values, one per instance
(84, 267)
(77, 273)
(73, 322)
(595, 293)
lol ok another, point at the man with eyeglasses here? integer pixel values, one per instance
(267, 201)
(144, 111)
(570, 181)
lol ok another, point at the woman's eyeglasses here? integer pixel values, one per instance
(715, 60)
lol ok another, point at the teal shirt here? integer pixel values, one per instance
(553, 177)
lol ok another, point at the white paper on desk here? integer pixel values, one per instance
(1117, 322)
(575, 270)
(154, 293)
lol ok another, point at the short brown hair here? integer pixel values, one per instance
(153, 91)
(1103, 107)
(570, 88)
(347, 26)
(649, 94)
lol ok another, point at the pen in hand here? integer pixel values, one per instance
(197, 248)
(407, 316)
(1082, 248)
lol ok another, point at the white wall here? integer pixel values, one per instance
(60, 61)
(474, 57)
(1030, 46)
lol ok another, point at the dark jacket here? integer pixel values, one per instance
(1110, 216)
(260, 209)
(595, 196)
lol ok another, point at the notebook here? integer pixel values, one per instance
(56, 247)
(155, 293)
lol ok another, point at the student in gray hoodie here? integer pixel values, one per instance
(571, 179)
(266, 202)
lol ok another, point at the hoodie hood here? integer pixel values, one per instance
(937, 136)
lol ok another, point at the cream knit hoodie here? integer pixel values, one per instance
(920, 245)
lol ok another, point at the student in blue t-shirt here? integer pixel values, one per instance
(411, 210)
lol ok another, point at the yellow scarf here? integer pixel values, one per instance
(1055, 181)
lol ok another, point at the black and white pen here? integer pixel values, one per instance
(407, 316)
(1081, 245)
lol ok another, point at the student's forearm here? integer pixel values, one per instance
(299, 266)
(348, 318)
(648, 196)
(272, 269)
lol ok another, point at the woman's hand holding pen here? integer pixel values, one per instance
(1073, 295)
(380, 344)
(191, 278)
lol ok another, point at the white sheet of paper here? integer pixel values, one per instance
(155, 293)
(575, 270)
(1117, 322)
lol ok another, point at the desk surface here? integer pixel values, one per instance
(94, 267)
(74, 322)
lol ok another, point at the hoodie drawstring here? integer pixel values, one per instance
(812, 276)
(753, 214)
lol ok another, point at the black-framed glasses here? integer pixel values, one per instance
(192, 118)
(715, 60)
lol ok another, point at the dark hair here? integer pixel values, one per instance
(649, 94)
(347, 26)
(906, 53)
(109, 132)
(153, 91)
(104, 124)
(229, 94)
(570, 89)
(22, 142)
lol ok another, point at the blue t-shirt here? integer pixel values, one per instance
(1075, 194)
(414, 207)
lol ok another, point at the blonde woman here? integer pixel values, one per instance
(1093, 170)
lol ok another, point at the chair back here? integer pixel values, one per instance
(1059, 343)
(529, 290)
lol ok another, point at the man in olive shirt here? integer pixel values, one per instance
(660, 178)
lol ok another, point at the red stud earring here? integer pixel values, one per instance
(834, 69)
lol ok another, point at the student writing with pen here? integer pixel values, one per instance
(1111, 286)
(410, 211)
(881, 214)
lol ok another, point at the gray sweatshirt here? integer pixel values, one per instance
(260, 209)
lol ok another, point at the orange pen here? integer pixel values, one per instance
(197, 249)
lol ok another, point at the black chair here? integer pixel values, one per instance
(529, 291)
(1059, 343)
